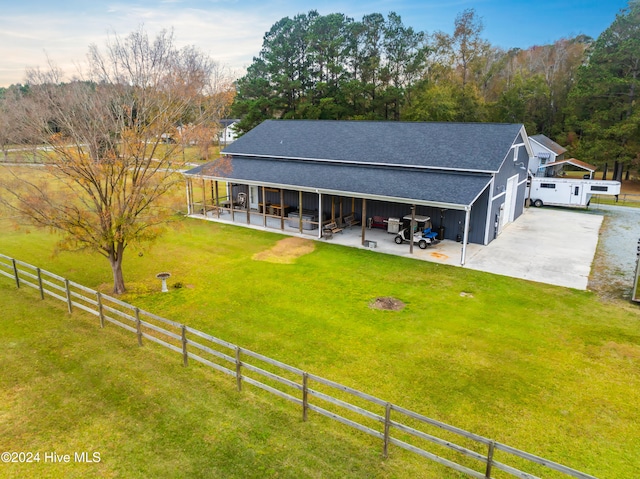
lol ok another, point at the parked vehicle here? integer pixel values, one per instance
(423, 236)
(572, 192)
(418, 239)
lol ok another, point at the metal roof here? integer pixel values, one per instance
(549, 144)
(472, 147)
(574, 162)
(431, 188)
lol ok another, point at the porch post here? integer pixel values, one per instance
(248, 205)
(188, 196)
(264, 208)
(364, 219)
(487, 226)
(319, 215)
(333, 208)
(282, 207)
(300, 211)
(413, 223)
(204, 198)
(216, 198)
(465, 237)
(230, 186)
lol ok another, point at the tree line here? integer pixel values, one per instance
(579, 91)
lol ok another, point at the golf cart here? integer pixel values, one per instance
(423, 236)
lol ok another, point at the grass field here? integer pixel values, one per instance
(552, 371)
(69, 387)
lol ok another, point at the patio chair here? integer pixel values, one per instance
(350, 220)
(330, 229)
(378, 222)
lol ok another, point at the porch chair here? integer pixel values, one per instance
(330, 229)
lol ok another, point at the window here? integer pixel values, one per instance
(599, 188)
(548, 185)
(576, 191)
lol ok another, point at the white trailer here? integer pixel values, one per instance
(568, 191)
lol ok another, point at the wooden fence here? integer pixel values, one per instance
(623, 199)
(463, 451)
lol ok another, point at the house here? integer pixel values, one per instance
(545, 152)
(298, 175)
(228, 133)
(548, 159)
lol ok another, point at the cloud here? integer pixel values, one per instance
(229, 35)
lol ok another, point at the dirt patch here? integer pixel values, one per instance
(286, 251)
(387, 303)
(440, 256)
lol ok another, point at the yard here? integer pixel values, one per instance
(552, 371)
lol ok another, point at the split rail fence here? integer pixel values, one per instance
(468, 453)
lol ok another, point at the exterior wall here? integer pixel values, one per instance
(535, 162)
(452, 220)
(227, 134)
(511, 167)
(485, 213)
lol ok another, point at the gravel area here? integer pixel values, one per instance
(613, 270)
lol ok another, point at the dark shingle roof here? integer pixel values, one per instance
(458, 146)
(549, 144)
(417, 186)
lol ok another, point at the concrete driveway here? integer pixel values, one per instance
(548, 245)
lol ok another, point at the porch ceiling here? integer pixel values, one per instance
(429, 188)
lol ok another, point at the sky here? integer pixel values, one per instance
(36, 32)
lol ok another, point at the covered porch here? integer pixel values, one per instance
(356, 221)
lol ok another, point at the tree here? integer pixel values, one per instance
(405, 54)
(9, 110)
(456, 64)
(468, 44)
(280, 77)
(331, 67)
(603, 106)
(109, 142)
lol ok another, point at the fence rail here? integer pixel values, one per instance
(468, 453)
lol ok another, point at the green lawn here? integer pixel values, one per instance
(553, 371)
(68, 387)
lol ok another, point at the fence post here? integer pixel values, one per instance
(305, 395)
(40, 283)
(185, 355)
(487, 473)
(138, 327)
(15, 272)
(66, 287)
(100, 310)
(238, 372)
(387, 427)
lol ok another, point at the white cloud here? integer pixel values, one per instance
(230, 36)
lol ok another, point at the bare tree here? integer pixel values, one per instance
(110, 141)
(471, 48)
(9, 108)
